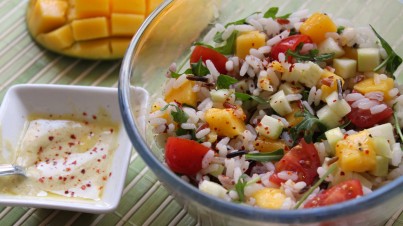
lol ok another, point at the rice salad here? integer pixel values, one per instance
(284, 111)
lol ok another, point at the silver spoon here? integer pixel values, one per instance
(10, 169)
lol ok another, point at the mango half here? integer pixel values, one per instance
(92, 29)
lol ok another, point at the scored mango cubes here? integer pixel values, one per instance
(75, 27)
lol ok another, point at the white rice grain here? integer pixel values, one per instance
(293, 97)
(188, 126)
(244, 28)
(311, 95)
(229, 65)
(393, 92)
(264, 49)
(225, 35)
(376, 95)
(367, 104)
(397, 155)
(288, 175)
(283, 120)
(281, 57)
(256, 53)
(308, 107)
(318, 96)
(377, 109)
(205, 104)
(353, 97)
(157, 121)
(244, 69)
(208, 157)
(213, 71)
(202, 133)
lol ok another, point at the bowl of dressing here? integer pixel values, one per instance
(71, 142)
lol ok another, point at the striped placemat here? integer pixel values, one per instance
(144, 201)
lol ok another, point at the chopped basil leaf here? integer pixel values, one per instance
(199, 69)
(271, 13)
(229, 47)
(265, 157)
(308, 126)
(225, 81)
(246, 97)
(177, 75)
(203, 44)
(393, 61)
(218, 37)
(179, 115)
(240, 187)
(313, 55)
(340, 29)
(331, 169)
(285, 16)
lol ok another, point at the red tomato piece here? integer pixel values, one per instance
(206, 53)
(363, 118)
(184, 156)
(344, 191)
(302, 159)
(289, 43)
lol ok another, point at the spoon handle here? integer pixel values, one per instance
(9, 169)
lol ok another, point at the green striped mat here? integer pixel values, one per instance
(145, 201)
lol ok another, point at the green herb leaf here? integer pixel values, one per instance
(203, 44)
(224, 81)
(177, 75)
(229, 47)
(199, 69)
(246, 97)
(240, 187)
(179, 115)
(218, 37)
(308, 126)
(313, 55)
(340, 29)
(331, 169)
(393, 61)
(397, 124)
(265, 157)
(271, 13)
(285, 16)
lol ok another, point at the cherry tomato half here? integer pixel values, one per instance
(363, 118)
(302, 159)
(184, 156)
(289, 43)
(344, 191)
(206, 53)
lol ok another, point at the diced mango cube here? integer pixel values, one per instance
(247, 41)
(270, 198)
(58, 39)
(328, 83)
(291, 117)
(90, 49)
(91, 28)
(368, 85)
(356, 153)
(316, 27)
(92, 8)
(47, 15)
(350, 52)
(224, 122)
(151, 5)
(264, 144)
(125, 24)
(129, 6)
(183, 94)
(119, 46)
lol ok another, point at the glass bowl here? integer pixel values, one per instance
(166, 36)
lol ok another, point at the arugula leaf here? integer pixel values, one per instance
(265, 157)
(203, 44)
(240, 187)
(199, 69)
(313, 55)
(246, 97)
(285, 16)
(271, 13)
(224, 81)
(397, 124)
(393, 61)
(179, 115)
(331, 169)
(340, 29)
(229, 47)
(177, 75)
(308, 126)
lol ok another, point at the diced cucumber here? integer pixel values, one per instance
(280, 104)
(270, 127)
(241, 86)
(346, 68)
(341, 176)
(330, 46)
(292, 75)
(220, 96)
(368, 59)
(340, 107)
(384, 130)
(213, 189)
(311, 75)
(289, 88)
(382, 147)
(219, 171)
(381, 167)
(333, 136)
(327, 116)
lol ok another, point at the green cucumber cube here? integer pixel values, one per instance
(368, 59)
(280, 104)
(328, 117)
(346, 68)
(382, 147)
(289, 88)
(381, 167)
(384, 130)
(333, 136)
(330, 46)
(221, 95)
(270, 127)
(213, 189)
(310, 74)
(340, 107)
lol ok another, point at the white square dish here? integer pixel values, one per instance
(21, 101)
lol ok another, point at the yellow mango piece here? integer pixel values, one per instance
(350, 52)
(264, 144)
(183, 94)
(291, 118)
(46, 16)
(58, 39)
(316, 27)
(151, 5)
(92, 8)
(129, 6)
(356, 153)
(119, 46)
(270, 198)
(224, 122)
(91, 28)
(368, 85)
(125, 24)
(90, 49)
(247, 41)
(330, 77)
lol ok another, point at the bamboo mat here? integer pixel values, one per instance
(144, 201)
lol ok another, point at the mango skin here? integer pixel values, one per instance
(75, 28)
